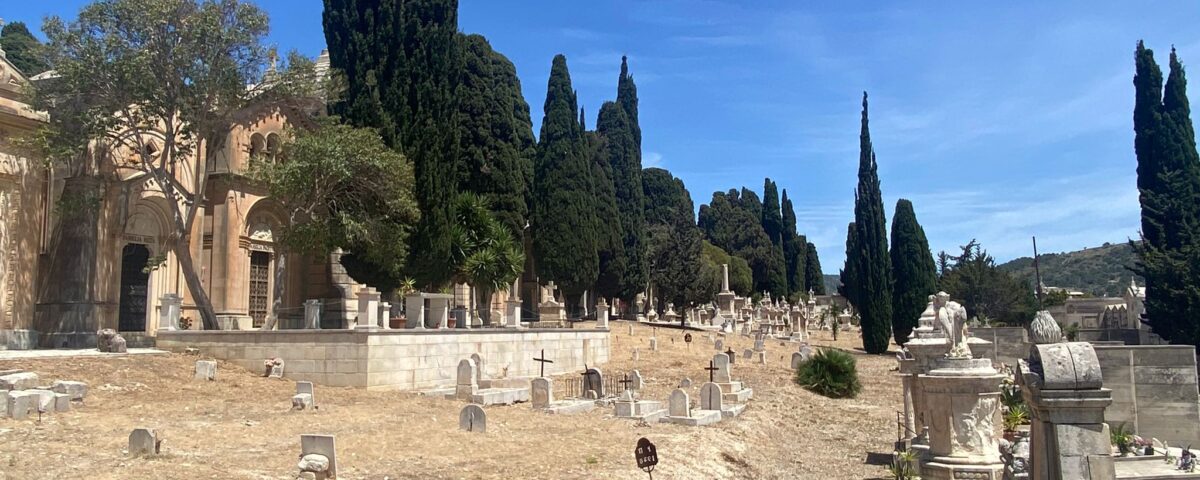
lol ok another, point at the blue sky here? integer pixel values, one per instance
(998, 121)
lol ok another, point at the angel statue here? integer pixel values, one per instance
(952, 318)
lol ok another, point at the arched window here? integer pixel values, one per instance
(258, 147)
(273, 147)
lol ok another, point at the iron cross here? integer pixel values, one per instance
(542, 363)
(625, 382)
(711, 368)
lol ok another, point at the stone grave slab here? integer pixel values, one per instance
(21, 404)
(19, 381)
(543, 399)
(472, 419)
(76, 390)
(680, 412)
(144, 441)
(647, 410)
(205, 370)
(324, 445)
(468, 389)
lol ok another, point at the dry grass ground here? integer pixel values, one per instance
(240, 426)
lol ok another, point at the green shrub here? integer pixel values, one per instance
(832, 373)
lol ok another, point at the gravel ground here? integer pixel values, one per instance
(241, 426)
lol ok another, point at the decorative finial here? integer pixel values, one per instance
(1044, 330)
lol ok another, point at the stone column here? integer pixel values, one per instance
(1063, 386)
(168, 312)
(385, 315)
(312, 314)
(602, 314)
(963, 397)
(368, 309)
(724, 277)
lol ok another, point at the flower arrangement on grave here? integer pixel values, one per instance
(185, 323)
(1141, 446)
(1016, 412)
(270, 363)
(1122, 439)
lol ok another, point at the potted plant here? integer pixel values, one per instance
(1122, 439)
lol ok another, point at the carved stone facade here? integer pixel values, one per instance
(88, 247)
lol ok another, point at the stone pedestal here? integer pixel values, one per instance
(963, 398)
(1063, 386)
(602, 314)
(385, 315)
(169, 313)
(368, 309)
(512, 313)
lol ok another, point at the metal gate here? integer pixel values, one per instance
(260, 276)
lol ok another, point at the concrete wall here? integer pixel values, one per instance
(1154, 390)
(397, 359)
(1008, 344)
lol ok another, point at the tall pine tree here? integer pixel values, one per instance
(564, 242)
(874, 265)
(912, 269)
(402, 64)
(21, 48)
(493, 135)
(813, 276)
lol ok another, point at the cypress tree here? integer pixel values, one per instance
(674, 243)
(874, 266)
(772, 223)
(620, 148)
(1169, 184)
(912, 269)
(21, 48)
(794, 249)
(732, 222)
(564, 242)
(609, 243)
(623, 139)
(494, 154)
(849, 273)
(402, 64)
(813, 276)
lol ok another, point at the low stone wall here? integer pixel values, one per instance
(398, 359)
(1008, 344)
(1154, 390)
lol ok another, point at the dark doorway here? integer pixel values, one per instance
(260, 275)
(135, 280)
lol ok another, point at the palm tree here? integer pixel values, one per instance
(485, 253)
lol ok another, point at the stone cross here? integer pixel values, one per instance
(711, 369)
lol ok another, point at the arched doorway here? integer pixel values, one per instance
(135, 281)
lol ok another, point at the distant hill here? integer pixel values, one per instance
(832, 282)
(1100, 271)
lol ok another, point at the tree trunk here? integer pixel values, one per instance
(483, 302)
(203, 303)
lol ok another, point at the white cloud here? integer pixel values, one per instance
(652, 160)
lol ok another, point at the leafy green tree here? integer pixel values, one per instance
(495, 132)
(22, 49)
(732, 221)
(740, 279)
(973, 279)
(156, 81)
(795, 250)
(402, 64)
(564, 242)
(912, 269)
(677, 268)
(485, 253)
(340, 187)
(874, 275)
(813, 276)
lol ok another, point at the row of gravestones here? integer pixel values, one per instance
(21, 396)
(318, 453)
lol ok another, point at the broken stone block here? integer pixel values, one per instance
(144, 441)
(302, 401)
(118, 344)
(314, 463)
(76, 390)
(206, 370)
(19, 381)
(45, 401)
(62, 402)
(21, 404)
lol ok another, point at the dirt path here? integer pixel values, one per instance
(241, 426)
